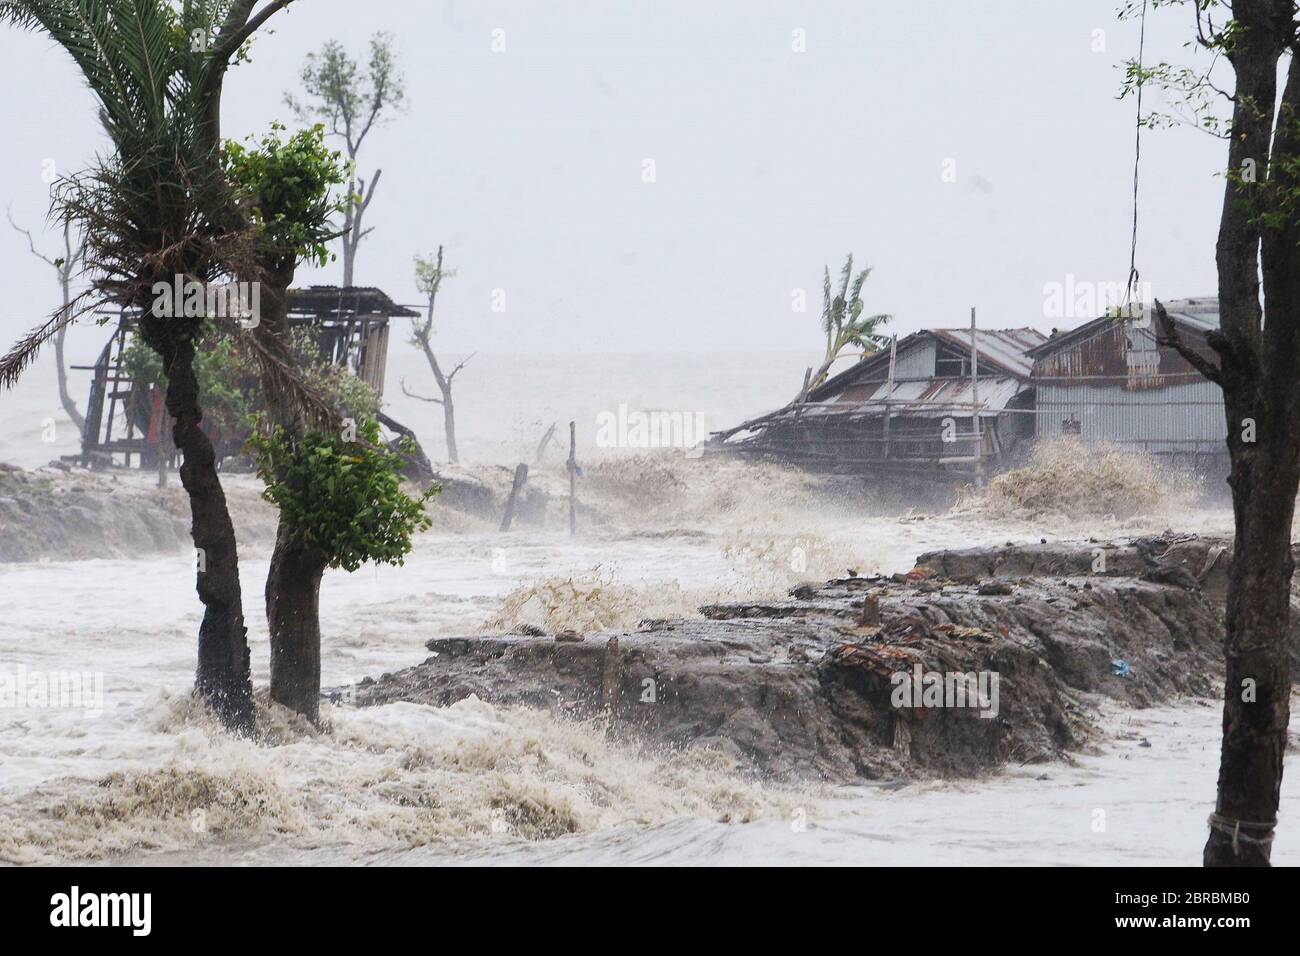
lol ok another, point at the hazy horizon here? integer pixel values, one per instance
(769, 163)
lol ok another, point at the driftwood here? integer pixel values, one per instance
(541, 445)
(418, 465)
(516, 489)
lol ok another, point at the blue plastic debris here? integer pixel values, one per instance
(1120, 668)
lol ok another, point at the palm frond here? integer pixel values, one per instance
(845, 275)
(283, 386)
(827, 322)
(24, 352)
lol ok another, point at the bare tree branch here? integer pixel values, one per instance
(409, 394)
(459, 367)
(1170, 338)
(30, 243)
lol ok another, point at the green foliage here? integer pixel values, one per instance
(227, 379)
(345, 499)
(287, 182)
(352, 396)
(1190, 96)
(340, 94)
(429, 273)
(229, 382)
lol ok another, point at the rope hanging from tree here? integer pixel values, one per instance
(1133, 276)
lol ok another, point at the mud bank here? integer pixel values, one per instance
(804, 688)
(71, 516)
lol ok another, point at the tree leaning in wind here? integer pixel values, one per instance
(155, 207)
(1257, 347)
(843, 322)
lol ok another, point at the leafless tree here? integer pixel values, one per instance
(65, 267)
(429, 274)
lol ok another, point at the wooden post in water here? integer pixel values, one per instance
(975, 404)
(521, 479)
(889, 390)
(573, 478)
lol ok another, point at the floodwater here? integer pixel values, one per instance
(136, 772)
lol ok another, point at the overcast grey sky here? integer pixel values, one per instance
(528, 164)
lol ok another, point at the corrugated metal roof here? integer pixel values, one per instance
(331, 301)
(1006, 348)
(1199, 314)
(935, 398)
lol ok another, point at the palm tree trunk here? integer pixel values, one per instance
(222, 678)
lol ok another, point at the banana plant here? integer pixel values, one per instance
(843, 323)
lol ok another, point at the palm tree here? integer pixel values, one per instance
(156, 207)
(843, 322)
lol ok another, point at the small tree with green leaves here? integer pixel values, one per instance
(351, 103)
(338, 492)
(429, 273)
(341, 504)
(843, 323)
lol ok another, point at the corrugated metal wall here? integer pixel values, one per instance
(917, 361)
(1185, 418)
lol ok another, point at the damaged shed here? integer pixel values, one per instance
(910, 409)
(1110, 381)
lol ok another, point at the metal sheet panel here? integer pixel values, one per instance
(917, 361)
(1006, 347)
(934, 398)
(1184, 418)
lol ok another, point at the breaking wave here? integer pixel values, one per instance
(1068, 478)
(669, 491)
(398, 776)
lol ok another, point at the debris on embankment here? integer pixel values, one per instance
(807, 687)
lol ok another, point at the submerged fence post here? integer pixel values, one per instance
(975, 404)
(573, 478)
(889, 391)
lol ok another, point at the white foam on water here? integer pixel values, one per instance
(152, 778)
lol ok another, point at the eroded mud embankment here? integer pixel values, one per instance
(801, 688)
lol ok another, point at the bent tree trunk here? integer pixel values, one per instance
(222, 678)
(293, 616)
